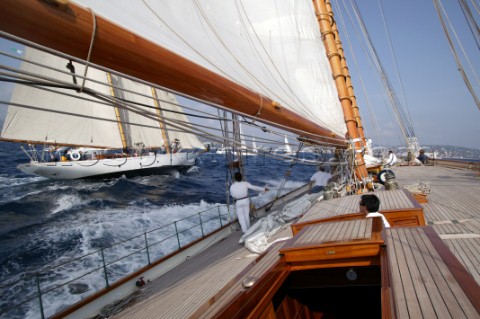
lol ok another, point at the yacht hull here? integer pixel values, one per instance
(111, 167)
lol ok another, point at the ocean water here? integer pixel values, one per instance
(44, 222)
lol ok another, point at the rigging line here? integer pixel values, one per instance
(475, 6)
(387, 85)
(395, 63)
(99, 67)
(90, 49)
(69, 85)
(369, 54)
(460, 43)
(266, 52)
(91, 93)
(467, 13)
(278, 133)
(239, 63)
(109, 102)
(454, 52)
(335, 141)
(183, 40)
(43, 85)
(76, 87)
(373, 118)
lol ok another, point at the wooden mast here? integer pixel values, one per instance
(326, 22)
(68, 28)
(348, 79)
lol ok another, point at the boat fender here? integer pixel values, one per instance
(75, 155)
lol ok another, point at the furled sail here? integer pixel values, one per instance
(42, 114)
(271, 47)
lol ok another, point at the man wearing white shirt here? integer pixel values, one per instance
(392, 158)
(369, 205)
(319, 180)
(239, 191)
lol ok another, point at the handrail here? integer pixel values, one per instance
(105, 266)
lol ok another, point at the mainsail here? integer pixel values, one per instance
(53, 115)
(262, 59)
(271, 47)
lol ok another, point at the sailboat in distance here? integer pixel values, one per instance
(113, 126)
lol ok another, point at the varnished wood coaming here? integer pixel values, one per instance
(68, 29)
(335, 244)
(399, 207)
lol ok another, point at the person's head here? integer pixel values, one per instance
(389, 151)
(370, 203)
(238, 177)
(321, 169)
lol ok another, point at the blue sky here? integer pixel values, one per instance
(441, 109)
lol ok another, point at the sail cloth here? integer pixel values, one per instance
(64, 116)
(259, 237)
(48, 126)
(271, 47)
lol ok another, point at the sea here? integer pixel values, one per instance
(44, 222)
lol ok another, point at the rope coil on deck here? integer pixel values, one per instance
(422, 188)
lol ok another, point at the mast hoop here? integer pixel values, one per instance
(325, 33)
(333, 54)
(90, 49)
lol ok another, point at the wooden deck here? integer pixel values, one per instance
(398, 206)
(208, 282)
(427, 281)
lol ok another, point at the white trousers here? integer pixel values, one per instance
(243, 213)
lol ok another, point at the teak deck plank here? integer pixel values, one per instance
(453, 211)
(423, 284)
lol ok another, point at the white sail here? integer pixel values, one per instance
(288, 149)
(144, 130)
(271, 47)
(62, 119)
(169, 102)
(77, 120)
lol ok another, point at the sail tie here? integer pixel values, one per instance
(90, 49)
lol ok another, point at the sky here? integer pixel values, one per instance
(428, 83)
(442, 111)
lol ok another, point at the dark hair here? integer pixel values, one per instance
(238, 176)
(371, 202)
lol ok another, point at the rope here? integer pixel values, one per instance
(438, 4)
(90, 49)
(418, 188)
(373, 117)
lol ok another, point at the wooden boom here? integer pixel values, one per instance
(68, 28)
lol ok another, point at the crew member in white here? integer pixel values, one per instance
(369, 205)
(319, 180)
(392, 158)
(239, 191)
